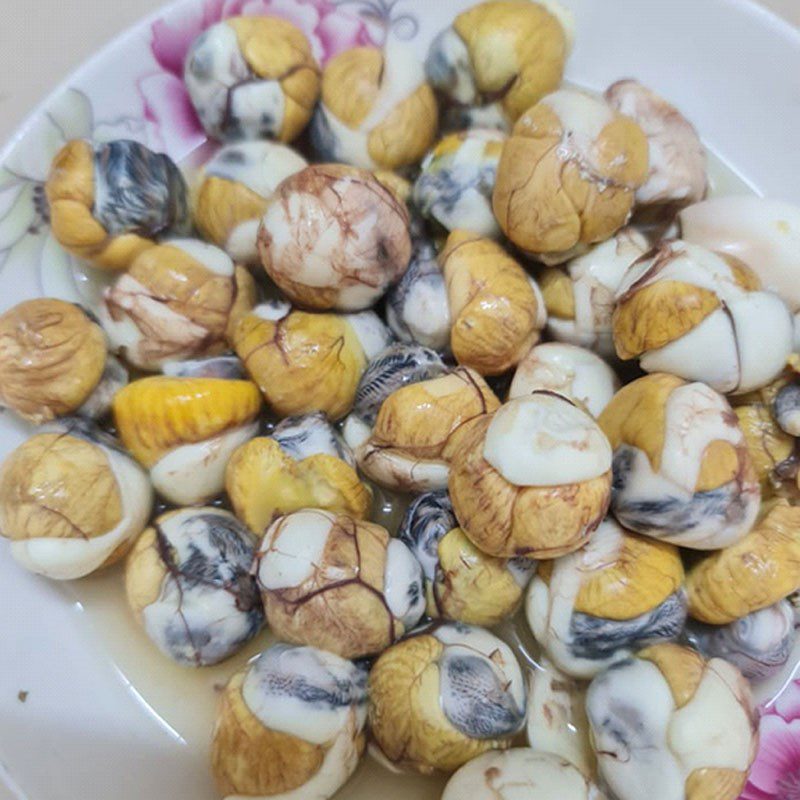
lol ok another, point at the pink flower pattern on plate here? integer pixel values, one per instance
(329, 27)
(776, 772)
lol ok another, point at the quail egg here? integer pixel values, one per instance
(252, 77)
(682, 470)
(336, 582)
(56, 527)
(290, 725)
(184, 431)
(110, 201)
(189, 585)
(532, 479)
(579, 163)
(333, 237)
(443, 696)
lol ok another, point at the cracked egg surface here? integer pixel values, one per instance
(177, 301)
(579, 162)
(377, 111)
(305, 362)
(617, 594)
(52, 358)
(684, 302)
(333, 237)
(410, 447)
(462, 583)
(338, 583)
(232, 189)
(499, 58)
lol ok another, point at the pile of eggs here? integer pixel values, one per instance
(472, 398)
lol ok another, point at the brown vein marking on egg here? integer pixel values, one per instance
(523, 183)
(661, 256)
(349, 528)
(154, 344)
(426, 454)
(165, 553)
(280, 339)
(34, 499)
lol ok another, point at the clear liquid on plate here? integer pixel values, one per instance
(184, 699)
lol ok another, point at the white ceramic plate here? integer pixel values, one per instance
(87, 710)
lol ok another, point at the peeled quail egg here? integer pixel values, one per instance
(580, 296)
(290, 725)
(57, 528)
(567, 370)
(455, 186)
(308, 362)
(678, 161)
(184, 431)
(762, 232)
(532, 479)
(397, 366)
(461, 582)
(377, 110)
(496, 308)
(417, 307)
(668, 725)
(702, 316)
(517, 773)
(252, 77)
(337, 582)
(597, 606)
(189, 585)
(410, 445)
(754, 573)
(53, 362)
(500, 58)
(443, 696)
(263, 482)
(232, 193)
(109, 202)
(333, 237)
(682, 471)
(759, 644)
(578, 163)
(177, 301)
